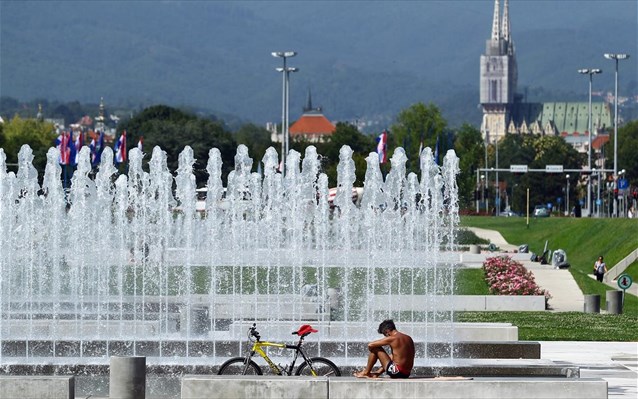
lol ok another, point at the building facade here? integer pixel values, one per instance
(504, 112)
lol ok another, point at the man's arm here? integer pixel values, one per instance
(381, 342)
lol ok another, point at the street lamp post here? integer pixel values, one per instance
(483, 190)
(567, 195)
(616, 57)
(498, 187)
(284, 102)
(478, 187)
(622, 198)
(487, 179)
(598, 201)
(589, 72)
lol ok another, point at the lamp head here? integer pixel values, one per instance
(614, 56)
(283, 54)
(590, 72)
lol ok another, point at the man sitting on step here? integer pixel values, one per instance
(399, 363)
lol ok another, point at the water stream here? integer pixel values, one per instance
(126, 259)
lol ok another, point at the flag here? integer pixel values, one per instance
(62, 144)
(72, 150)
(76, 146)
(120, 149)
(96, 146)
(436, 151)
(92, 146)
(382, 147)
(140, 144)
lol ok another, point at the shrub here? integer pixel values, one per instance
(505, 276)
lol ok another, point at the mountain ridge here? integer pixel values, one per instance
(362, 60)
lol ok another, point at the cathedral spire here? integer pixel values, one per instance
(505, 29)
(101, 108)
(496, 23)
(308, 106)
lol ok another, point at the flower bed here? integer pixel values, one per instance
(505, 276)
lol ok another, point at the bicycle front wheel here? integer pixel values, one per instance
(238, 366)
(321, 367)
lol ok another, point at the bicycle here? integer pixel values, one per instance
(314, 366)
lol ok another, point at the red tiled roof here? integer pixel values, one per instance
(315, 124)
(86, 121)
(599, 141)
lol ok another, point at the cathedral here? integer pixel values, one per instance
(504, 112)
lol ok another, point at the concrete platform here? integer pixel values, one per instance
(198, 387)
(34, 386)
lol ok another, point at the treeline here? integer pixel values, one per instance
(419, 126)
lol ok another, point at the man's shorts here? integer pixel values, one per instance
(394, 372)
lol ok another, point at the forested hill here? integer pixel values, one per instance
(362, 60)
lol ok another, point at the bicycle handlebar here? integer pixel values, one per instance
(252, 332)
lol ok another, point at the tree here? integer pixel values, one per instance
(361, 145)
(537, 152)
(37, 134)
(256, 138)
(172, 130)
(468, 145)
(627, 151)
(417, 126)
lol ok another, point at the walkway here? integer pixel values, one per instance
(615, 362)
(566, 295)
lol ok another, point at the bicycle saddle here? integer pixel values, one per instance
(305, 329)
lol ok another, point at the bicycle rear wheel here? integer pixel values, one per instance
(321, 366)
(236, 366)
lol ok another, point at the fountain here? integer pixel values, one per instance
(127, 258)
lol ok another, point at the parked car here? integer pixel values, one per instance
(541, 211)
(508, 213)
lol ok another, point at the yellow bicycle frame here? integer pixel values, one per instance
(257, 348)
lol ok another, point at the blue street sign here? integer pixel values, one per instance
(623, 183)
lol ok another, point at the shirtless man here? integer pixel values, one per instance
(399, 363)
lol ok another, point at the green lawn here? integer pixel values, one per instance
(583, 240)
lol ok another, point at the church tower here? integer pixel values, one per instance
(498, 76)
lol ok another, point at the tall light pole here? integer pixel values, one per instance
(483, 190)
(616, 57)
(589, 72)
(487, 178)
(284, 103)
(498, 187)
(567, 195)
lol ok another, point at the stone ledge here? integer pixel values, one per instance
(200, 387)
(354, 388)
(202, 351)
(42, 387)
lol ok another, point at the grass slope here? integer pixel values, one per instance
(583, 240)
